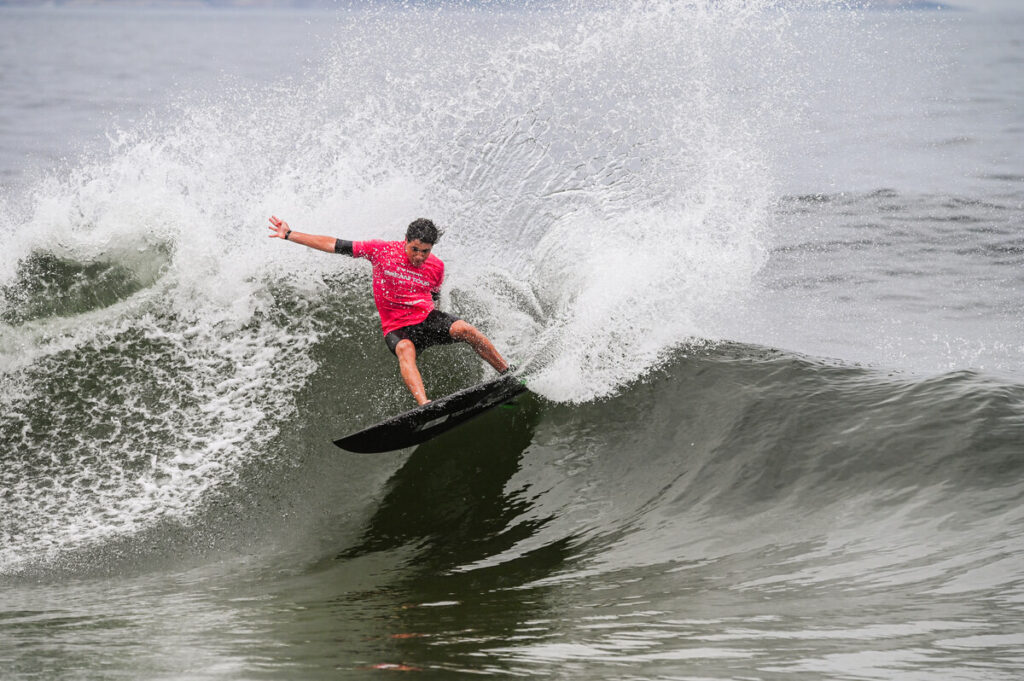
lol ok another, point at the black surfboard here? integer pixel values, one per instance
(433, 418)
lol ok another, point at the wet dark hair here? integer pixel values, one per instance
(423, 230)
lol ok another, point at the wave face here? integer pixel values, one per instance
(609, 181)
(735, 449)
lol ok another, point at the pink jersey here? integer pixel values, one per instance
(402, 292)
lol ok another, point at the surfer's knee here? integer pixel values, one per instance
(405, 351)
(461, 331)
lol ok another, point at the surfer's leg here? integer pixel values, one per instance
(467, 333)
(405, 351)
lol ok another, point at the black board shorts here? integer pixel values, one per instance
(434, 330)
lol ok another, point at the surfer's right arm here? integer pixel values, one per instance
(280, 230)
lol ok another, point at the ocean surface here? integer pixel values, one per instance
(761, 264)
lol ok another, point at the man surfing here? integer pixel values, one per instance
(407, 281)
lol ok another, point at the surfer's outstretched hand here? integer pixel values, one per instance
(278, 227)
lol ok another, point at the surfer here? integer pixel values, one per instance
(406, 287)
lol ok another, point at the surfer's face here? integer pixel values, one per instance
(417, 252)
